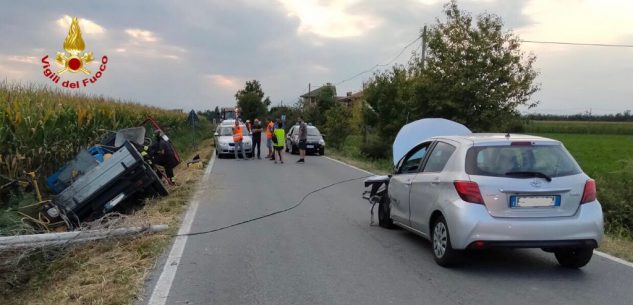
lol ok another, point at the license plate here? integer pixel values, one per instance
(534, 201)
(309, 146)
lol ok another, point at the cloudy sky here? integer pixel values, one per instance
(196, 54)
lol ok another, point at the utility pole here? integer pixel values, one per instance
(423, 57)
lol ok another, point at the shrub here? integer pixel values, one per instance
(615, 192)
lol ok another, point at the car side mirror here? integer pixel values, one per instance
(216, 134)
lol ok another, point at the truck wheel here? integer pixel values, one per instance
(384, 213)
(443, 252)
(573, 258)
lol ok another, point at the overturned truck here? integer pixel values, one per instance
(102, 177)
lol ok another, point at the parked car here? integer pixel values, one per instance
(315, 143)
(477, 191)
(223, 140)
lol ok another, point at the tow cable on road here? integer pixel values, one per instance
(273, 213)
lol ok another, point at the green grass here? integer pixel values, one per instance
(579, 127)
(598, 155)
(350, 152)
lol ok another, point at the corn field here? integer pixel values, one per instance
(41, 128)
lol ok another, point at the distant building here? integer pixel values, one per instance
(310, 98)
(350, 98)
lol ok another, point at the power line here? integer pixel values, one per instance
(272, 213)
(580, 44)
(380, 65)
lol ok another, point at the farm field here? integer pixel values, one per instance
(579, 127)
(42, 128)
(597, 154)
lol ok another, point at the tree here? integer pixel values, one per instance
(292, 114)
(267, 102)
(475, 72)
(249, 100)
(251, 106)
(325, 99)
(389, 99)
(337, 125)
(252, 86)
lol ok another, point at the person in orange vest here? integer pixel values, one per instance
(238, 136)
(270, 127)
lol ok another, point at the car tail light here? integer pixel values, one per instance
(589, 194)
(469, 191)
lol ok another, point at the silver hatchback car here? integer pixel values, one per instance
(481, 191)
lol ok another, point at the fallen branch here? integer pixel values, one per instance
(63, 238)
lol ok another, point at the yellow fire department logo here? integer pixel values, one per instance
(73, 60)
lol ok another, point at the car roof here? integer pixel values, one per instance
(482, 138)
(228, 122)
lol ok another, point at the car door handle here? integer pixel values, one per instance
(408, 183)
(435, 181)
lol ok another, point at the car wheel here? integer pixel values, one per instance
(217, 153)
(384, 213)
(573, 258)
(322, 151)
(443, 252)
(295, 150)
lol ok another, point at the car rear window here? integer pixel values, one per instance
(313, 131)
(551, 160)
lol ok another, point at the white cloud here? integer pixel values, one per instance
(146, 43)
(142, 35)
(23, 59)
(87, 26)
(330, 20)
(224, 81)
(592, 21)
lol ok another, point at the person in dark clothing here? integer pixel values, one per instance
(257, 137)
(303, 139)
(163, 154)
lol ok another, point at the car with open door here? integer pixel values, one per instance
(477, 191)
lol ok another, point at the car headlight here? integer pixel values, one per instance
(322, 142)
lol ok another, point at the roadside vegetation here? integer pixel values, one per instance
(41, 129)
(109, 272)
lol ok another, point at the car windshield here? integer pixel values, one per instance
(519, 161)
(313, 131)
(228, 131)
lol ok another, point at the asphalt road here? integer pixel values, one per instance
(325, 251)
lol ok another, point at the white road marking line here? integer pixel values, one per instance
(352, 166)
(599, 253)
(163, 285)
(613, 258)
